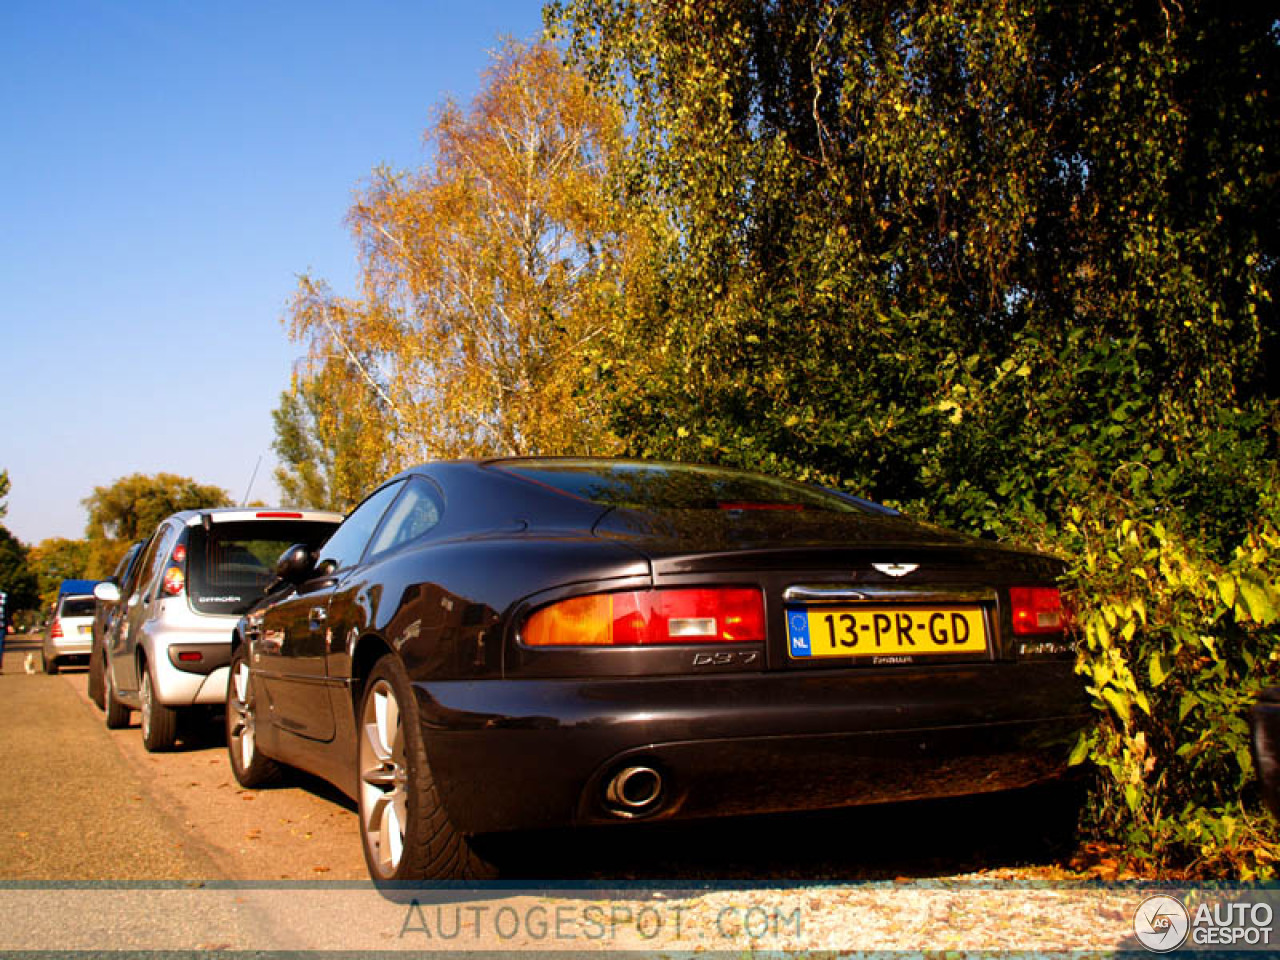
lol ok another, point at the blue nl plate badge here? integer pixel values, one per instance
(798, 630)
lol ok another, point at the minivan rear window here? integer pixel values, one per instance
(230, 565)
(78, 607)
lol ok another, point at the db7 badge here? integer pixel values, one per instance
(724, 658)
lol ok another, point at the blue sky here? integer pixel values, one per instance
(167, 169)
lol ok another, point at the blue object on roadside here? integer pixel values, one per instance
(77, 587)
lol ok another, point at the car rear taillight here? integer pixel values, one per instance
(1037, 610)
(277, 515)
(649, 617)
(174, 581)
(55, 630)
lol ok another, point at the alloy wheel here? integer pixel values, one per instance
(144, 696)
(384, 778)
(243, 734)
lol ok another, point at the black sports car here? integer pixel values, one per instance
(528, 643)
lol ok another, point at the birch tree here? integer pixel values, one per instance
(483, 275)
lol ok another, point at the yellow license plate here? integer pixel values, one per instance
(885, 631)
(86, 628)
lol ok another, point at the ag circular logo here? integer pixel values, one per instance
(1161, 923)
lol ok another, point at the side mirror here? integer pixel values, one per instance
(296, 564)
(107, 592)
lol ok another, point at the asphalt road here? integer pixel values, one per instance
(80, 802)
(70, 805)
(104, 846)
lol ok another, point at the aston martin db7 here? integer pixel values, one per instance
(515, 644)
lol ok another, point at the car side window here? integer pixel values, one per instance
(414, 514)
(135, 568)
(346, 546)
(136, 579)
(160, 554)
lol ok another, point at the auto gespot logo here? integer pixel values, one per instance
(1163, 923)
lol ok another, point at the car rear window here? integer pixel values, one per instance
(78, 607)
(230, 565)
(677, 486)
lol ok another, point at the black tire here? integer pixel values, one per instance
(95, 676)
(50, 663)
(250, 766)
(394, 782)
(118, 715)
(159, 723)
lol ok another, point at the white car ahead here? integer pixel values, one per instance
(70, 633)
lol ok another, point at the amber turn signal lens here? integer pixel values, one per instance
(580, 622)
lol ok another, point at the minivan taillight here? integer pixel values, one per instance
(174, 581)
(55, 631)
(650, 617)
(1037, 610)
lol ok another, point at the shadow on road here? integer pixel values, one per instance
(881, 843)
(934, 838)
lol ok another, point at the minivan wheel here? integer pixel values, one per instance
(117, 713)
(159, 723)
(250, 767)
(405, 829)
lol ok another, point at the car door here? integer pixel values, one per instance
(106, 614)
(137, 609)
(295, 636)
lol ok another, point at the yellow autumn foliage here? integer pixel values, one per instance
(483, 276)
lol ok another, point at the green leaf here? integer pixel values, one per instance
(1227, 590)
(1257, 598)
(1119, 703)
(1188, 703)
(1132, 796)
(1158, 669)
(1080, 751)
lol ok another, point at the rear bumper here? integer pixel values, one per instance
(175, 687)
(519, 754)
(77, 646)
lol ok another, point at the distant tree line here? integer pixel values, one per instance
(118, 514)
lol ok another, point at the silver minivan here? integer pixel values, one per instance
(168, 653)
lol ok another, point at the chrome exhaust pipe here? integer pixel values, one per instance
(634, 791)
